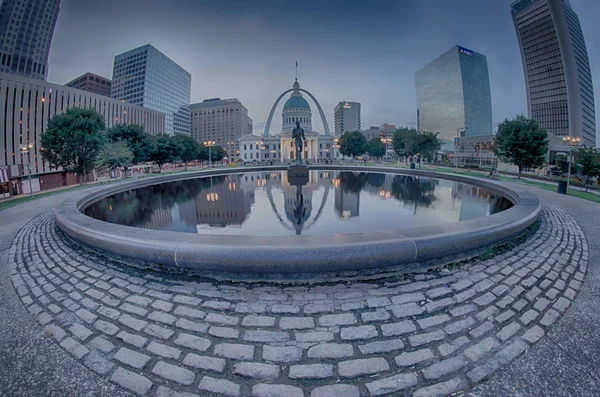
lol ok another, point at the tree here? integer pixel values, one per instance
(562, 164)
(73, 140)
(216, 153)
(404, 141)
(375, 147)
(588, 164)
(522, 142)
(187, 149)
(163, 150)
(115, 155)
(135, 137)
(353, 143)
(427, 144)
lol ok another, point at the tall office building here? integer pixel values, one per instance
(453, 94)
(146, 77)
(91, 82)
(26, 29)
(347, 117)
(560, 93)
(221, 120)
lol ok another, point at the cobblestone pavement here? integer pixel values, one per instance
(426, 334)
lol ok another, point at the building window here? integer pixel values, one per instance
(244, 147)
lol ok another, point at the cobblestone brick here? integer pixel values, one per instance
(296, 323)
(381, 346)
(358, 333)
(399, 328)
(441, 389)
(392, 384)
(219, 386)
(163, 350)
(204, 362)
(173, 373)
(267, 390)
(131, 358)
(330, 350)
(235, 351)
(442, 368)
(311, 371)
(257, 370)
(192, 342)
(364, 366)
(407, 359)
(132, 339)
(224, 332)
(131, 381)
(282, 354)
(258, 321)
(317, 336)
(336, 391)
(422, 339)
(330, 320)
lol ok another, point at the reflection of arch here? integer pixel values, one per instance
(280, 218)
(272, 112)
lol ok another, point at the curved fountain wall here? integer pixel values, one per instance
(408, 250)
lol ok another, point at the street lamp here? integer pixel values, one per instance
(458, 131)
(387, 142)
(336, 146)
(25, 150)
(571, 142)
(209, 144)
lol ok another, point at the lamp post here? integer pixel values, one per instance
(336, 146)
(458, 131)
(25, 151)
(387, 142)
(571, 142)
(209, 144)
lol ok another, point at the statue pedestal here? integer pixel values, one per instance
(297, 174)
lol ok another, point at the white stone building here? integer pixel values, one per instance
(280, 147)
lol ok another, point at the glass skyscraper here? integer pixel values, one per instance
(146, 77)
(453, 94)
(26, 30)
(560, 93)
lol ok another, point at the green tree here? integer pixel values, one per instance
(73, 140)
(375, 147)
(162, 150)
(404, 141)
(427, 144)
(216, 153)
(588, 165)
(115, 155)
(522, 142)
(187, 149)
(353, 143)
(135, 137)
(562, 164)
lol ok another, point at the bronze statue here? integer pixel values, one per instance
(298, 136)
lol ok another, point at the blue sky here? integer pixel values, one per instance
(363, 51)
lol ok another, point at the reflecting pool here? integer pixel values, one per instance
(267, 204)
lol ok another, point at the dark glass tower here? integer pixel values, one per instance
(146, 77)
(453, 93)
(560, 93)
(26, 29)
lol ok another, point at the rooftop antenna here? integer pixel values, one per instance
(296, 70)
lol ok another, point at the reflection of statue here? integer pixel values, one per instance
(299, 211)
(298, 136)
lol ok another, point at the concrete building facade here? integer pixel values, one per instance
(146, 77)
(453, 92)
(346, 117)
(27, 104)
(91, 82)
(26, 30)
(560, 92)
(224, 121)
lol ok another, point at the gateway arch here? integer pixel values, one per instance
(321, 113)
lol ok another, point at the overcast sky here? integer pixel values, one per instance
(363, 51)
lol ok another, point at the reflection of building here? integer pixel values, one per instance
(225, 203)
(474, 201)
(347, 117)
(560, 93)
(453, 92)
(280, 147)
(224, 121)
(347, 203)
(91, 82)
(26, 30)
(160, 219)
(146, 77)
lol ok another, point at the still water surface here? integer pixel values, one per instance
(266, 204)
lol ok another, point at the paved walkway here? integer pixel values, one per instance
(428, 334)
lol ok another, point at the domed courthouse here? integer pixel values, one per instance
(280, 147)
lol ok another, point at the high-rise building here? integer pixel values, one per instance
(221, 120)
(26, 29)
(347, 117)
(146, 77)
(560, 93)
(453, 94)
(92, 83)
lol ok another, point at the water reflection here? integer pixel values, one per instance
(267, 204)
